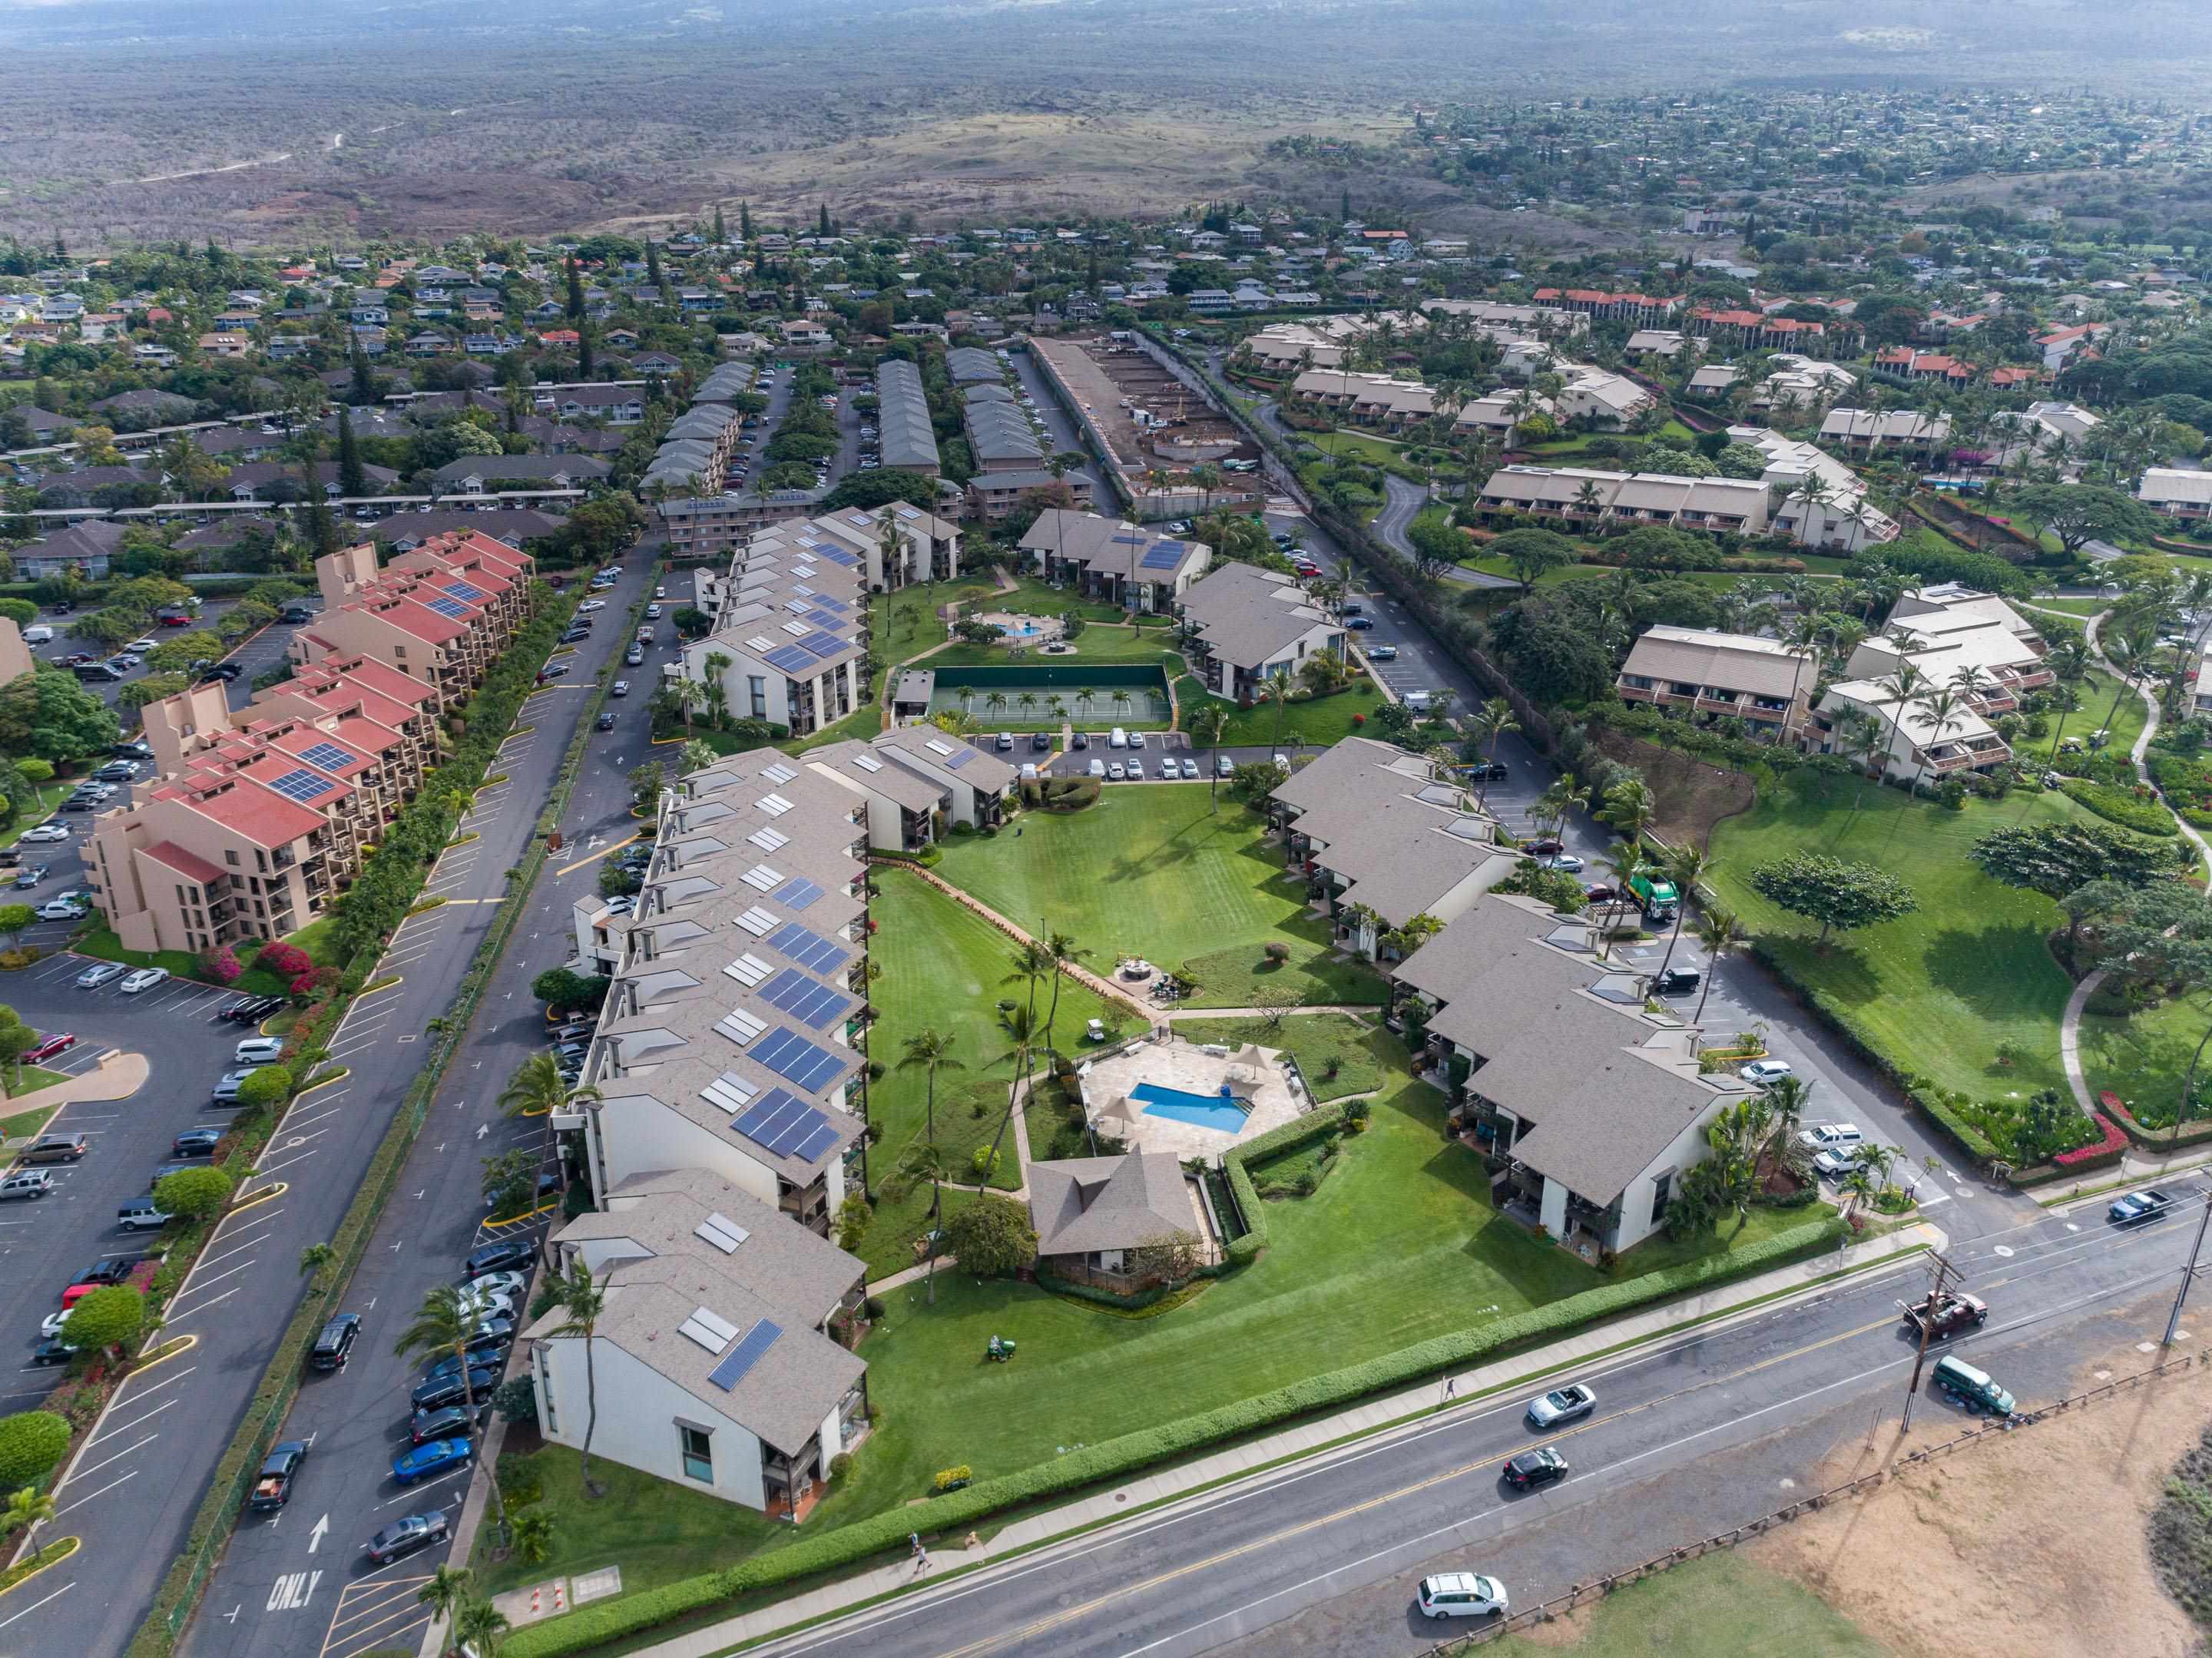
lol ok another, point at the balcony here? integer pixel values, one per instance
(1947, 757)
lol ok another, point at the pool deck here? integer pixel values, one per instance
(1183, 1066)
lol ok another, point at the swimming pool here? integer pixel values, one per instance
(1216, 1111)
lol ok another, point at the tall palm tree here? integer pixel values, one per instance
(1207, 727)
(1492, 720)
(1028, 963)
(581, 1302)
(1022, 1033)
(1566, 797)
(2069, 662)
(447, 1588)
(691, 696)
(1064, 952)
(1276, 690)
(1626, 861)
(1685, 866)
(923, 1160)
(537, 1087)
(477, 1625)
(1121, 699)
(995, 703)
(930, 1051)
(1719, 932)
(1944, 713)
(445, 1323)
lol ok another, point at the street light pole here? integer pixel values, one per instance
(2181, 1294)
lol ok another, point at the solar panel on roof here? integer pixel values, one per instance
(1165, 556)
(302, 785)
(960, 759)
(823, 619)
(757, 921)
(794, 1057)
(730, 1091)
(777, 1120)
(769, 839)
(747, 1354)
(739, 1026)
(452, 609)
(1129, 541)
(462, 590)
(778, 773)
(328, 756)
(808, 948)
(823, 643)
(867, 762)
(709, 1329)
(791, 659)
(837, 555)
(937, 745)
(813, 1004)
(761, 878)
(798, 892)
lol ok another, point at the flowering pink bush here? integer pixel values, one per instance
(220, 964)
(286, 962)
(2112, 1140)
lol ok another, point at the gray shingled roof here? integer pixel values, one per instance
(1086, 1203)
(909, 440)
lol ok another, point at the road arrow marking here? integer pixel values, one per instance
(315, 1537)
(483, 1129)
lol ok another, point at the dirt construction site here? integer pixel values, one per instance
(1150, 419)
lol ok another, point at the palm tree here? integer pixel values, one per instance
(1685, 866)
(717, 693)
(1121, 703)
(1027, 702)
(1719, 932)
(1028, 964)
(691, 696)
(1064, 951)
(445, 1323)
(1628, 806)
(537, 1087)
(446, 1590)
(477, 1625)
(1944, 715)
(1566, 797)
(27, 1510)
(1276, 690)
(995, 703)
(1626, 861)
(1492, 720)
(2069, 661)
(930, 1051)
(1206, 728)
(923, 1160)
(1021, 1028)
(582, 1301)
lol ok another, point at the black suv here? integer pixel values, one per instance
(335, 1342)
(254, 1009)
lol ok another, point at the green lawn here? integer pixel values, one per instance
(1357, 445)
(2102, 698)
(2143, 1057)
(29, 1078)
(905, 621)
(1363, 1054)
(1035, 597)
(2084, 608)
(1722, 1603)
(318, 938)
(24, 1124)
(1148, 872)
(1937, 989)
(941, 966)
(1239, 976)
(48, 796)
(1399, 1244)
(658, 1530)
(862, 723)
(1320, 722)
(1099, 642)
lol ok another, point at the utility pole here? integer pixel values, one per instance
(2180, 1295)
(1943, 1271)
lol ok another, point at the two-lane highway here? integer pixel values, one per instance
(1692, 1434)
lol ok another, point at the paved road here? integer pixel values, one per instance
(133, 1490)
(1401, 504)
(265, 1600)
(1060, 425)
(1693, 1435)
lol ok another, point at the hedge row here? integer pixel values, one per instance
(604, 1621)
(2151, 1140)
(1299, 1131)
(2120, 806)
(218, 1511)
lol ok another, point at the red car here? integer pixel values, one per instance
(60, 1042)
(175, 620)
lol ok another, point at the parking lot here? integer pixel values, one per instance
(259, 653)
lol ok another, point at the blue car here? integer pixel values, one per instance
(433, 1458)
(1359, 624)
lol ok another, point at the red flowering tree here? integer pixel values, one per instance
(287, 962)
(219, 965)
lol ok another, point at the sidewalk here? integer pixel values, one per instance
(1128, 1500)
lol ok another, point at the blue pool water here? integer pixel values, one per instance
(1200, 1110)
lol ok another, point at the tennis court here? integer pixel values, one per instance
(1021, 699)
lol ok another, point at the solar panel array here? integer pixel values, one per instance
(823, 643)
(302, 785)
(789, 658)
(814, 1005)
(328, 756)
(824, 619)
(1129, 541)
(747, 1354)
(1164, 556)
(797, 893)
(798, 1061)
(462, 590)
(709, 1329)
(808, 948)
(781, 1122)
(452, 609)
(838, 556)
(960, 759)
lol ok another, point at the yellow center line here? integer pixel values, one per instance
(594, 858)
(1059, 1619)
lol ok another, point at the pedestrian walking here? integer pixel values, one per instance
(1451, 1387)
(920, 1554)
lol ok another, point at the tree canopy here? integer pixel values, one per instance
(2056, 858)
(992, 1237)
(1834, 892)
(2080, 512)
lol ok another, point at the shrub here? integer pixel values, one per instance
(1277, 951)
(2120, 806)
(193, 1194)
(32, 1444)
(219, 965)
(286, 962)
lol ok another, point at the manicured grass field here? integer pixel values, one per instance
(1150, 871)
(658, 1530)
(1722, 1603)
(1399, 1244)
(1357, 445)
(941, 970)
(1319, 722)
(1938, 989)
(2144, 1057)
(48, 796)
(1239, 976)
(30, 1079)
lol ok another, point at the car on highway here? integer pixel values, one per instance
(1946, 1314)
(405, 1535)
(272, 1486)
(144, 980)
(1764, 1073)
(196, 1143)
(45, 833)
(25, 1183)
(1532, 1468)
(432, 1457)
(505, 1255)
(1461, 1594)
(2139, 1207)
(60, 1042)
(1569, 1403)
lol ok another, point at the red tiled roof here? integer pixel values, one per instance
(190, 865)
(412, 616)
(255, 814)
(381, 677)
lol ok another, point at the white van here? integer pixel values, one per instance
(1418, 701)
(39, 635)
(1118, 738)
(1461, 1594)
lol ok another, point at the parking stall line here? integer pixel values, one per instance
(178, 1375)
(249, 1243)
(117, 1457)
(123, 1427)
(210, 1302)
(35, 1605)
(270, 1168)
(217, 1278)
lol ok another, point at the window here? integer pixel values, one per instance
(757, 686)
(232, 859)
(1660, 1188)
(698, 1448)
